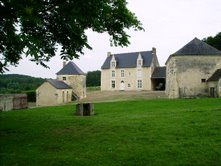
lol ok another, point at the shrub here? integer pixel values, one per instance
(31, 96)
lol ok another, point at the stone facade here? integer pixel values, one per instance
(77, 82)
(47, 95)
(186, 76)
(188, 70)
(128, 80)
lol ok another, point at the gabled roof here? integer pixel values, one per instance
(58, 84)
(70, 69)
(216, 76)
(197, 47)
(129, 60)
(159, 72)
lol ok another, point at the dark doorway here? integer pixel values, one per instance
(158, 84)
(212, 92)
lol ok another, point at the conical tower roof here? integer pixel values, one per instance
(70, 69)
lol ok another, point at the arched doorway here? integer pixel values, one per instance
(122, 85)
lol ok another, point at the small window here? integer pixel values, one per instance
(64, 78)
(113, 64)
(113, 84)
(122, 73)
(203, 80)
(128, 85)
(113, 73)
(139, 84)
(139, 63)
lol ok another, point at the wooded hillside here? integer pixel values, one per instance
(15, 83)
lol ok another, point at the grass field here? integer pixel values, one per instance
(138, 132)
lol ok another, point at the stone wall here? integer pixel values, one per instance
(77, 82)
(47, 95)
(13, 101)
(186, 76)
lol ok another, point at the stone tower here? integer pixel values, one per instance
(72, 75)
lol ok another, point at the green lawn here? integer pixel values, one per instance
(141, 132)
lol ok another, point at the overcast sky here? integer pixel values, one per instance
(168, 24)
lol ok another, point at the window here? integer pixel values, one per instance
(203, 80)
(113, 73)
(128, 85)
(113, 64)
(139, 84)
(64, 78)
(122, 73)
(67, 96)
(139, 73)
(139, 63)
(113, 84)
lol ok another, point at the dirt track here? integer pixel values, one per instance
(104, 96)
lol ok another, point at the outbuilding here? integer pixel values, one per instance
(53, 92)
(188, 69)
(214, 84)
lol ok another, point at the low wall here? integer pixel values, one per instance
(13, 101)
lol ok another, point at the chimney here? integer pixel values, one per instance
(154, 51)
(108, 54)
(64, 63)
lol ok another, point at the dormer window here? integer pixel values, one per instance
(113, 62)
(139, 61)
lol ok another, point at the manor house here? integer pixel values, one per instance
(132, 71)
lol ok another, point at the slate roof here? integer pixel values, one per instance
(197, 47)
(58, 84)
(216, 76)
(70, 69)
(159, 72)
(129, 60)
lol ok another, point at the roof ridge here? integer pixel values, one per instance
(130, 52)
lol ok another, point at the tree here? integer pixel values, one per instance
(37, 27)
(214, 41)
(93, 78)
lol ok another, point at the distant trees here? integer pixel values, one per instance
(93, 78)
(214, 41)
(15, 83)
